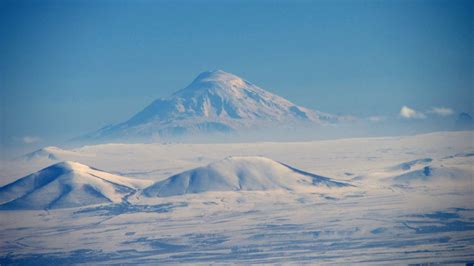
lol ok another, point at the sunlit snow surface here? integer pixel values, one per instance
(412, 201)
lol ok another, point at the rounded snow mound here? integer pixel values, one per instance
(429, 174)
(239, 174)
(50, 152)
(64, 185)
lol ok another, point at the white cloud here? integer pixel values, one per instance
(441, 111)
(409, 113)
(30, 139)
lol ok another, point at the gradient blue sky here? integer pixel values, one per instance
(70, 67)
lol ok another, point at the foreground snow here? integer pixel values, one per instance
(411, 202)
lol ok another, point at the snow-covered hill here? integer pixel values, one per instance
(215, 101)
(397, 213)
(453, 175)
(64, 185)
(51, 153)
(240, 174)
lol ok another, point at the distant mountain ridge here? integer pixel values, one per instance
(216, 101)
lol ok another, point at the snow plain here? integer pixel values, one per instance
(411, 201)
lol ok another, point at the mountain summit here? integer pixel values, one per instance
(216, 101)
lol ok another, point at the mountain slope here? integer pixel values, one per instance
(239, 174)
(65, 185)
(215, 101)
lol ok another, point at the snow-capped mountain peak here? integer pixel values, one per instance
(216, 101)
(216, 78)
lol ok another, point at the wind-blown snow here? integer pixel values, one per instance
(240, 174)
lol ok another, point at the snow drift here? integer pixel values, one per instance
(65, 185)
(240, 174)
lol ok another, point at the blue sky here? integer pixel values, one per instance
(70, 67)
